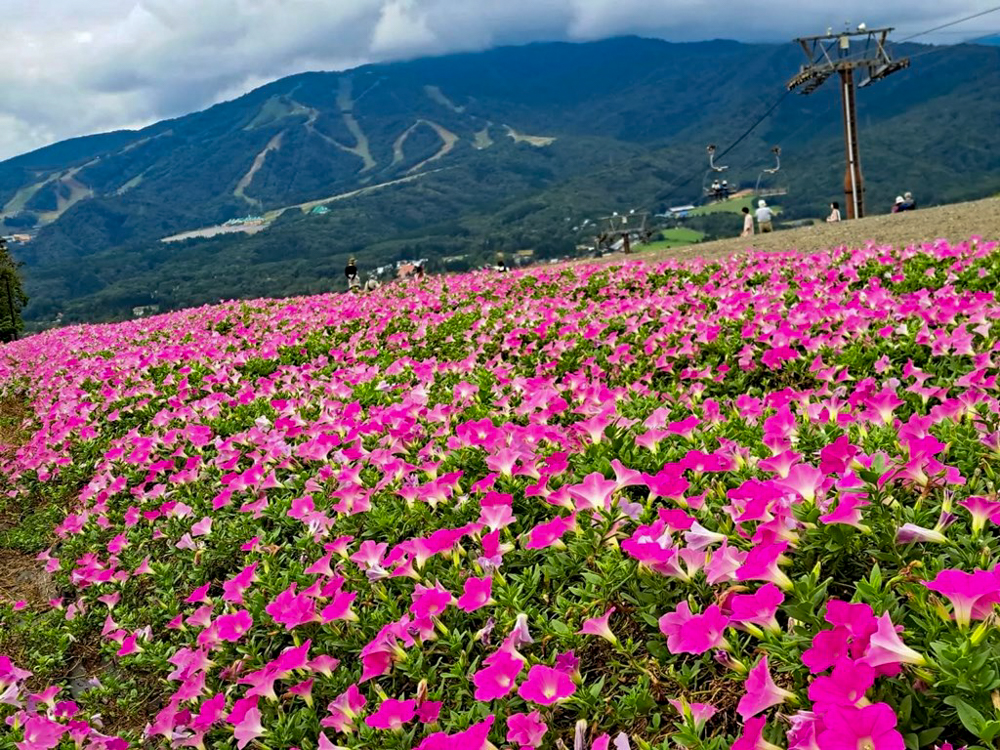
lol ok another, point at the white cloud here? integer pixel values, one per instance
(72, 68)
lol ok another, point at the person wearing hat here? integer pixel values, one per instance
(351, 272)
(898, 205)
(764, 217)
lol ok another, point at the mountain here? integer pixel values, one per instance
(463, 155)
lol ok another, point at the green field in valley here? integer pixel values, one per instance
(676, 237)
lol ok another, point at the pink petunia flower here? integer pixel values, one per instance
(761, 692)
(599, 626)
(885, 647)
(758, 608)
(694, 634)
(526, 730)
(545, 686)
(497, 679)
(392, 714)
(964, 590)
(476, 593)
(291, 609)
(845, 687)
(753, 736)
(872, 727)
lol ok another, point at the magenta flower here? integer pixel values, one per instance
(339, 608)
(550, 533)
(429, 602)
(762, 565)
(545, 686)
(761, 693)
(344, 710)
(476, 593)
(594, 493)
(599, 626)
(497, 679)
(804, 480)
(475, 737)
(245, 718)
(885, 647)
(981, 509)
(694, 634)
(964, 590)
(392, 714)
(526, 730)
(291, 609)
(428, 711)
(234, 626)
(845, 687)
(872, 728)
(758, 608)
(753, 736)
(698, 713)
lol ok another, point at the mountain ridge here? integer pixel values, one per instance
(504, 145)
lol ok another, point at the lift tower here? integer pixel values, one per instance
(843, 53)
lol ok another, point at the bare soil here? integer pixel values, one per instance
(13, 413)
(22, 578)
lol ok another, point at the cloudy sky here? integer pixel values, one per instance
(71, 67)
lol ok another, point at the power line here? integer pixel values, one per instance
(675, 188)
(980, 14)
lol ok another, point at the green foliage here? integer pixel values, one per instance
(12, 296)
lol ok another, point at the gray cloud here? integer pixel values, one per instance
(72, 68)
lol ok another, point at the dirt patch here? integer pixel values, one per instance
(22, 578)
(14, 412)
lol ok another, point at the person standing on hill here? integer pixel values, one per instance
(764, 217)
(834, 216)
(351, 272)
(747, 222)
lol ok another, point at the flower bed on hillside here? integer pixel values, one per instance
(745, 504)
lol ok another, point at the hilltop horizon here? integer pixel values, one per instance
(124, 65)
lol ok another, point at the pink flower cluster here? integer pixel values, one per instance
(445, 513)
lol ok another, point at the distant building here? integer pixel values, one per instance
(143, 310)
(320, 210)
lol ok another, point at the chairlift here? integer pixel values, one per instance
(772, 191)
(716, 189)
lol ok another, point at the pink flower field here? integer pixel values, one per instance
(749, 504)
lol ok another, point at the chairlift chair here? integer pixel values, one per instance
(770, 192)
(713, 169)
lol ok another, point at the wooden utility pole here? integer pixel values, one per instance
(843, 54)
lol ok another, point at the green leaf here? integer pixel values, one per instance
(927, 736)
(971, 719)
(905, 709)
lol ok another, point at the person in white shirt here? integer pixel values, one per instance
(747, 223)
(764, 217)
(834, 213)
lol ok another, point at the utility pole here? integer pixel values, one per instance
(844, 53)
